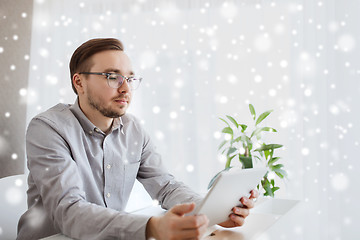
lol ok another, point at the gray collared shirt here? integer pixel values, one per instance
(80, 178)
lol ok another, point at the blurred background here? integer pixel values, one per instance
(201, 60)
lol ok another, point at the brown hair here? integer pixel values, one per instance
(81, 58)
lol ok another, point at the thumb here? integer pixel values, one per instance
(181, 209)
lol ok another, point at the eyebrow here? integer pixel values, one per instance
(117, 71)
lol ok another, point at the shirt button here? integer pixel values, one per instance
(108, 166)
(108, 195)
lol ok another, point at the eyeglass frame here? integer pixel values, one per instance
(116, 74)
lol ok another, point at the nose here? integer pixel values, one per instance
(124, 88)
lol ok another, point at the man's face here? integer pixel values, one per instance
(100, 97)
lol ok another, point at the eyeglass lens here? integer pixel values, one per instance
(115, 81)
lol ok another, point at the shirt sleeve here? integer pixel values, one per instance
(161, 185)
(60, 186)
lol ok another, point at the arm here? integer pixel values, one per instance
(161, 185)
(164, 188)
(61, 189)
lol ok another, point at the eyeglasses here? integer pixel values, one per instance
(115, 80)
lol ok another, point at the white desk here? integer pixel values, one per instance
(265, 214)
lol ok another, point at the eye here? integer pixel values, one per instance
(113, 76)
(131, 79)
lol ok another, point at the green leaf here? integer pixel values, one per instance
(268, 147)
(252, 111)
(233, 121)
(225, 121)
(222, 144)
(263, 129)
(280, 172)
(266, 185)
(212, 181)
(262, 117)
(228, 130)
(271, 193)
(272, 129)
(243, 127)
(267, 153)
(250, 146)
(271, 153)
(238, 139)
(231, 150)
(277, 166)
(255, 132)
(280, 175)
(246, 161)
(228, 161)
(273, 160)
(257, 158)
(247, 140)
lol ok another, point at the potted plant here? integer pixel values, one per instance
(248, 146)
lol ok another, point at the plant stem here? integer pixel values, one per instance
(247, 152)
(228, 161)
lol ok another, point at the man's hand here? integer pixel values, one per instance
(237, 217)
(174, 225)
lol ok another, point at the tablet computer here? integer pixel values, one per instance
(226, 192)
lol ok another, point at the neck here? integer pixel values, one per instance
(99, 120)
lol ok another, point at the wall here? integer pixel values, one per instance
(15, 36)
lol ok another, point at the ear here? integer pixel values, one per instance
(78, 83)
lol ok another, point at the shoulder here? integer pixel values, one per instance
(132, 125)
(129, 119)
(56, 115)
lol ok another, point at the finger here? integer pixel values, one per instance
(237, 220)
(254, 194)
(247, 202)
(181, 209)
(190, 222)
(243, 212)
(194, 233)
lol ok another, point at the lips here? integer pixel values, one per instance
(121, 101)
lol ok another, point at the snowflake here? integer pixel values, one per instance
(263, 43)
(190, 168)
(14, 156)
(305, 151)
(14, 196)
(173, 115)
(340, 182)
(156, 109)
(346, 42)
(228, 10)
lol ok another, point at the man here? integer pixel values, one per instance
(84, 158)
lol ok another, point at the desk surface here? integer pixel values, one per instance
(262, 217)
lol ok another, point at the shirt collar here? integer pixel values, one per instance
(88, 126)
(118, 123)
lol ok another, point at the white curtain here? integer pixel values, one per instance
(201, 60)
